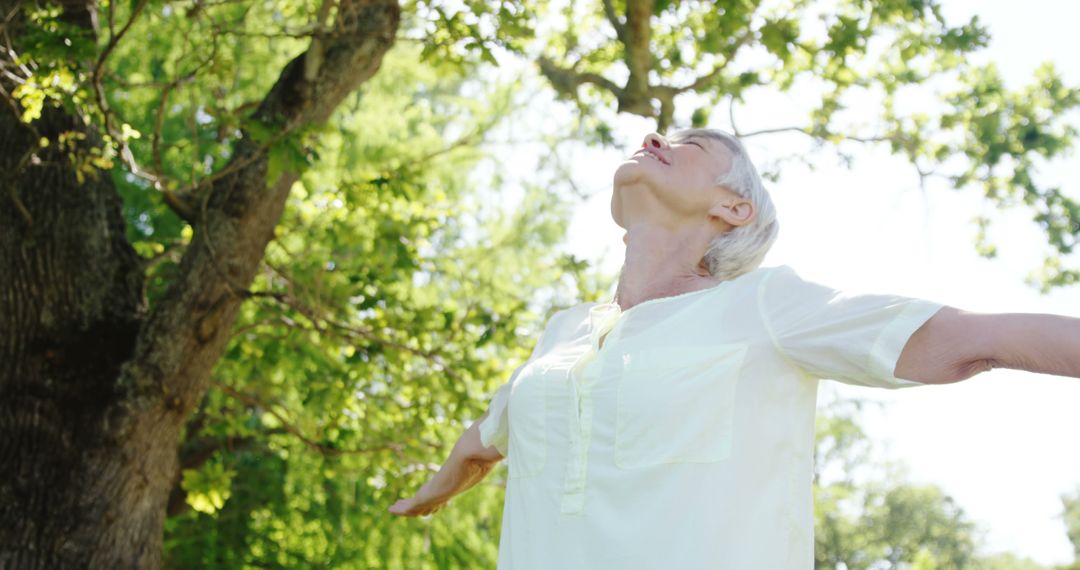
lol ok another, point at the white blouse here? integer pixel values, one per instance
(679, 433)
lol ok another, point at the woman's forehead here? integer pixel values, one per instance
(686, 135)
(707, 141)
(682, 135)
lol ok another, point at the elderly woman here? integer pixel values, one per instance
(673, 426)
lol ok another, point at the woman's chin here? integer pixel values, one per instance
(628, 172)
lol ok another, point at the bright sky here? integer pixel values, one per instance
(1002, 444)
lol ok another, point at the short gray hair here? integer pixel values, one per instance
(743, 248)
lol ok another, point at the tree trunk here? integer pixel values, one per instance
(94, 385)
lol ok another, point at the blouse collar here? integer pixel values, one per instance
(602, 319)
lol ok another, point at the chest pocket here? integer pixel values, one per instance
(527, 409)
(675, 404)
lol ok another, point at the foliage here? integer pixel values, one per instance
(391, 309)
(680, 62)
(865, 521)
(1009, 561)
(868, 515)
(390, 305)
(1071, 516)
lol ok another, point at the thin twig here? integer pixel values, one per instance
(320, 322)
(292, 429)
(704, 80)
(12, 177)
(103, 106)
(620, 27)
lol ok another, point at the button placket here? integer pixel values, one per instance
(602, 319)
(573, 499)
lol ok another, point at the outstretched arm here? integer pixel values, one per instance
(955, 345)
(469, 462)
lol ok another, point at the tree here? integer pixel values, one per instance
(660, 58)
(866, 520)
(244, 300)
(868, 515)
(1008, 561)
(151, 161)
(290, 503)
(96, 385)
(1071, 516)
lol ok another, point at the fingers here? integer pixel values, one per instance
(412, 508)
(397, 508)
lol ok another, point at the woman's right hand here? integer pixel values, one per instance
(467, 465)
(424, 503)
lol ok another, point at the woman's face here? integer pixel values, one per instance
(673, 183)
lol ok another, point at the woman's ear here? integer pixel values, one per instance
(702, 268)
(745, 210)
(736, 212)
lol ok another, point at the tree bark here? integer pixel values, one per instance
(94, 385)
(638, 94)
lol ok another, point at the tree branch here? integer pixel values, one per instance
(103, 105)
(637, 96)
(803, 130)
(317, 317)
(620, 28)
(186, 333)
(567, 81)
(705, 80)
(291, 428)
(167, 89)
(666, 95)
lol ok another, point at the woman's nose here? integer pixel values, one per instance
(654, 140)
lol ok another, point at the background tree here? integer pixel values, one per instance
(97, 384)
(366, 420)
(678, 61)
(868, 515)
(866, 519)
(148, 158)
(264, 303)
(1071, 517)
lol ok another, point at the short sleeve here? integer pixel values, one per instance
(495, 429)
(853, 338)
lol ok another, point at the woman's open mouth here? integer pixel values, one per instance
(651, 154)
